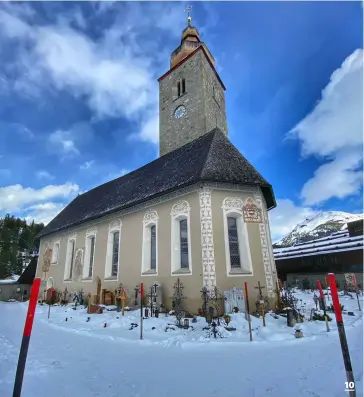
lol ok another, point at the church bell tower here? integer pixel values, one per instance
(191, 94)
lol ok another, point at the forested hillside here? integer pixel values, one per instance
(17, 244)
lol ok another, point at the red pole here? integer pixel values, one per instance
(26, 338)
(343, 342)
(322, 297)
(247, 309)
(141, 309)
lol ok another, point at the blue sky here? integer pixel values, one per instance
(79, 97)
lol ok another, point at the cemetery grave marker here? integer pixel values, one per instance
(261, 301)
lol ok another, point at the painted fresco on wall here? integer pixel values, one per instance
(252, 213)
(47, 256)
(78, 271)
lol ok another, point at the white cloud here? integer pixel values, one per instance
(340, 178)
(115, 72)
(285, 217)
(15, 197)
(44, 175)
(149, 130)
(42, 213)
(333, 132)
(114, 175)
(87, 164)
(63, 144)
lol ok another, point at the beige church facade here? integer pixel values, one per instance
(198, 213)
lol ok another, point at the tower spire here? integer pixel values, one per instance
(188, 10)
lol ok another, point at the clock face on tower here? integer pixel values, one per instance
(179, 112)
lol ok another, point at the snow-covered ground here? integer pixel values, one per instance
(82, 358)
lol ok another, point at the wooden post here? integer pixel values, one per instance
(89, 303)
(356, 291)
(141, 309)
(261, 301)
(322, 297)
(247, 309)
(342, 335)
(123, 299)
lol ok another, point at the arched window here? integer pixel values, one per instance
(55, 252)
(183, 238)
(150, 243)
(237, 249)
(70, 257)
(183, 86)
(112, 251)
(233, 242)
(181, 262)
(90, 243)
(179, 88)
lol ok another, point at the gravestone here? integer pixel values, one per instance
(234, 298)
(108, 298)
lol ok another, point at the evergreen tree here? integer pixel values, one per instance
(17, 243)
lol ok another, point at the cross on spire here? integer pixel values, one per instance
(188, 10)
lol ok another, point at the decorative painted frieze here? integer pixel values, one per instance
(151, 216)
(180, 208)
(266, 252)
(207, 241)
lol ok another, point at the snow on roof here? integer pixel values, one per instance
(338, 242)
(10, 280)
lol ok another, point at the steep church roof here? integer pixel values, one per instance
(210, 158)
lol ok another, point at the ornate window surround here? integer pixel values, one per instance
(180, 210)
(91, 232)
(67, 267)
(233, 207)
(114, 226)
(56, 252)
(150, 219)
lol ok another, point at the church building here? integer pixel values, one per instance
(199, 212)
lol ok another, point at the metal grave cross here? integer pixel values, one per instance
(261, 300)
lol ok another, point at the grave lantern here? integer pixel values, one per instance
(186, 323)
(227, 319)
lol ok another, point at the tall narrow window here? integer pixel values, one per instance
(183, 86)
(179, 88)
(184, 243)
(92, 252)
(55, 253)
(153, 247)
(181, 260)
(115, 254)
(233, 242)
(72, 257)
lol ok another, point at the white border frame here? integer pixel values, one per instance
(56, 242)
(91, 232)
(150, 218)
(233, 207)
(67, 264)
(180, 210)
(114, 226)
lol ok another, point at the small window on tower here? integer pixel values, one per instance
(179, 88)
(183, 86)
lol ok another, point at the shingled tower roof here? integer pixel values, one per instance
(210, 158)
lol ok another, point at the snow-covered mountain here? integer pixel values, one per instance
(320, 225)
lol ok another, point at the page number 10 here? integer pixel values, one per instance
(349, 386)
